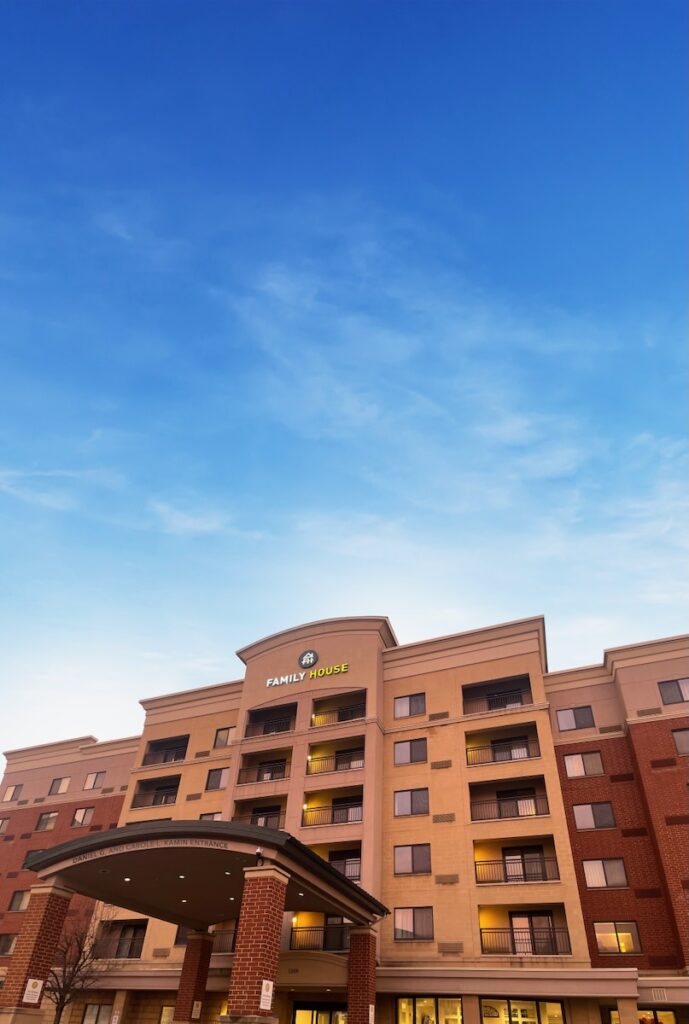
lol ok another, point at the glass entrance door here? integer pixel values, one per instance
(335, 1013)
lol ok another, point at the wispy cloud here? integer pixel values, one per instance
(178, 521)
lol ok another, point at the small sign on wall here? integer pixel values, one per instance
(32, 992)
(266, 1002)
(196, 1009)
(371, 1013)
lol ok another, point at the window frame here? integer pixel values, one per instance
(576, 724)
(12, 937)
(211, 816)
(414, 937)
(412, 847)
(99, 1007)
(228, 740)
(521, 999)
(682, 690)
(96, 783)
(57, 788)
(616, 928)
(583, 754)
(12, 793)
(82, 824)
(436, 998)
(4, 825)
(603, 861)
(224, 776)
(46, 816)
(409, 697)
(410, 743)
(23, 901)
(594, 826)
(675, 734)
(411, 813)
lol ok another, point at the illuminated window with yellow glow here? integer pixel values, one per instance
(429, 1010)
(617, 937)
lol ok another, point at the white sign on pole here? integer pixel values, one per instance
(266, 1002)
(32, 992)
(196, 1009)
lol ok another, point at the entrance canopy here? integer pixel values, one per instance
(192, 872)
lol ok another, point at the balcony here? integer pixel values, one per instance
(344, 857)
(497, 695)
(266, 771)
(270, 726)
(166, 751)
(320, 762)
(333, 814)
(333, 938)
(334, 711)
(511, 807)
(156, 792)
(267, 818)
(224, 941)
(525, 942)
(517, 869)
(518, 748)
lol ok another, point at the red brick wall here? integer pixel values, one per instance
(257, 948)
(361, 980)
(645, 900)
(20, 838)
(35, 950)
(663, 775)
(192, 982)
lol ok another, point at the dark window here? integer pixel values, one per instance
(130, 941)
(7, 944)
(414, 704)
(413, 923)
(598, 815)
(166, 751)
(674, 691)
(223, 737)
(210, 816)
(577, 765)
(12, 793)
(217, 778)
(410, 751)
(94, 780)
(20, 899)
(181, 935)
(4, 822)
(411, 801)
(575, 718)
(46, 821)
(58, 786)
(413, 860)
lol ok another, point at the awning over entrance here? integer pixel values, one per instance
(192, 872)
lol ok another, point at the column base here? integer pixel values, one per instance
(20, 1014)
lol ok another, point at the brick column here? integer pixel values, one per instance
(35, 949)
(257, 948)
(192, 982)
(361, 975)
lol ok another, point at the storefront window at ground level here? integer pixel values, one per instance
(648, 1017)
(429, 1010)
(521, 1011)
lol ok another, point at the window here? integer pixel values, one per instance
(217, 778)
(617, 937)
(594, 816)
(12, 793)
(223, 737)
(414, 704)
(648, 1016)
(19, 900)
(413, 923)
(575, 718)
(674, 691)
(7, 944)
(181, 935)
(524, 1011)
(605, 874)
(410, 751)
(167, 750)
(58, 786)
(681, 738)
(94, 780)
(82, 816)
(413, 860)
(167, 1015)
(97, 1013)
(428, 1010)
(577, 765)
(211, 816)
(411, 801)
(130, 941)
(4, 822)
(46, 821)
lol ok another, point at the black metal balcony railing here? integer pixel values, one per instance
(530, 869)
(507, 751)
(264, 773)
(223, 942)
(345, 714)
(518, 807)
(342, 814)
(271, 819)
(350, 868)
(497, 701)
(164, 756)
(335, 762)
(269, 727)
(333, 937)
(154, 798)
(525, 941)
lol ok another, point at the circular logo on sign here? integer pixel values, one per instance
(308, 659)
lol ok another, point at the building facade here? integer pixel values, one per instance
(527, 830)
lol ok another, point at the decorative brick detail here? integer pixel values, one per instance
(643, 712)
(622, 777)
(450, 947)
(194, 976)
(34, 952)
(202, 753)
(630, 833)
(361, 976)
(438, 818)
(193, 796)
(446, 879)
(258, 939)
(664, 762)
(609, 728)
(648, 894)
(677, 819)
(437, 715)
(441, 764)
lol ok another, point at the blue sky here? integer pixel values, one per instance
(315, 309)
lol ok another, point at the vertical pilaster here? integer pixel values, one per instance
(34, 952)
(627, 1010)
(194, 976)
(361, 975)
(257, 948)
(471, 1010)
